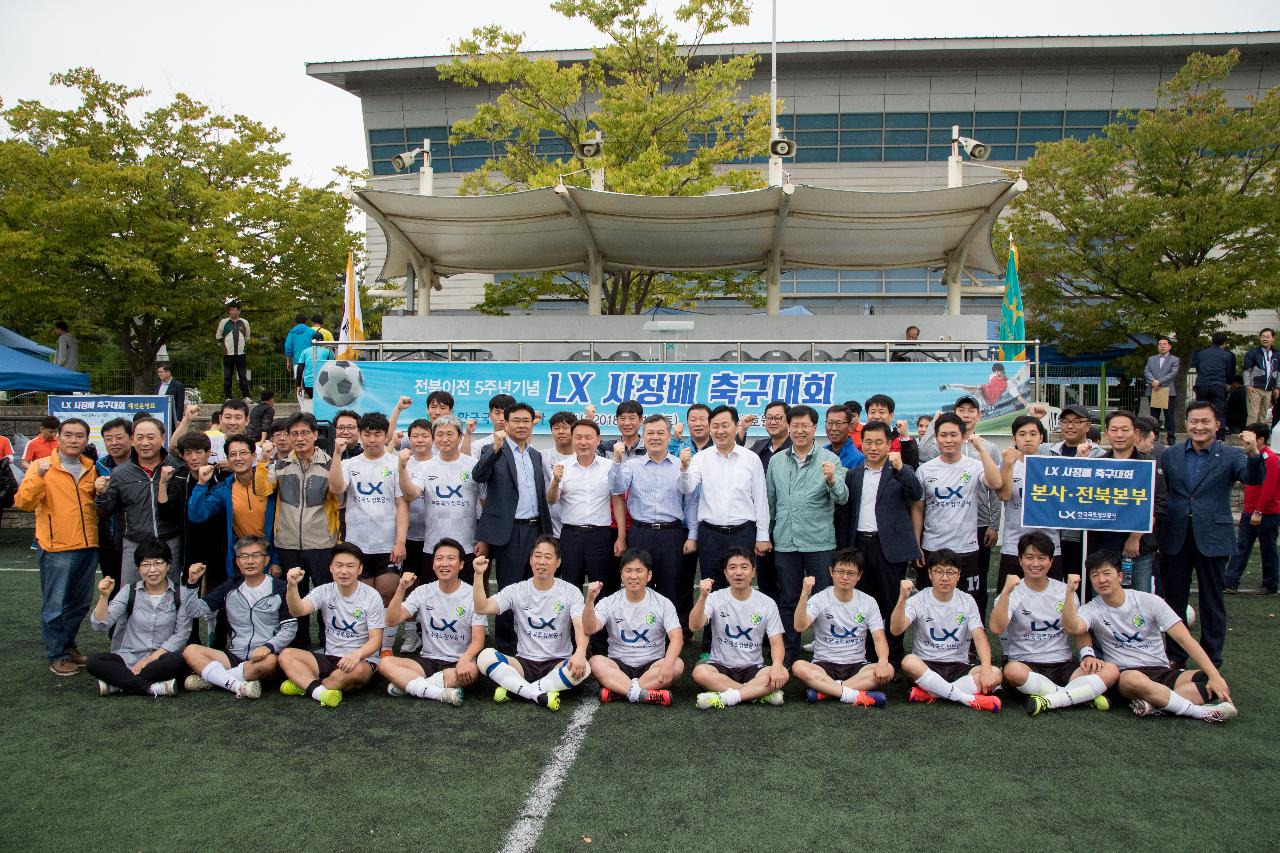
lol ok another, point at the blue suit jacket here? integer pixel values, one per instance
(1207, 501)
(897, 491)
(499, 512)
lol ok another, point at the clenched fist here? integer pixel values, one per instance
(403, 403)
(895, 459)
(295, 576)
(1010, 582)
(106, 585)
(1073, 583)
(557, 471)
(593, 589)
(704, 587)
(407, 580)
(471, 425)
(339, 446)
(100, 485)
(405, 456)
(829, 472)
(480, 565)
(190, 412)
(266, 448)
(166, 473)
(205, 474)
(806, 585)
(685, 455)
(1011, 455)
(907, 587)
(618, 450)
(195, 571)
(498, 438)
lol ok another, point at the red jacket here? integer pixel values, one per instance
(1265, 498)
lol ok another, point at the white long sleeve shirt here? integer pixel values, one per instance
(733, 488)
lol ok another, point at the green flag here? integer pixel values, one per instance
(1012, 327)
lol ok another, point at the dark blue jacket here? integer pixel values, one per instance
(1214, 366)
(897, 491)
(207, 502)
(499, 513)
(1207, 501)
(1255, 369)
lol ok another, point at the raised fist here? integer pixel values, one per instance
(166, 473)
(901, 426)
(1073, 583)
(407, 580)
(403, 403)
(1010, 582)
(339, 446)
(618, 450)
(557, 471)
(195, 571)
(100, 485)
(106, 585)
(829, 471)
(266, 448)
(685, 455)
(590, 412)
(1011, 455)
(480, 565)
(895, 459)
(405, 456)
(205, 474)
(974, 440)
(190, 412)
(749, 420)
(42, 465)
(1038, 410)
(806, 585)
(471, 425)
(679, 430)
(593, 589)
(906, 587)
(704, 586)
(1250, 441)
(498, 438)
(295, 576)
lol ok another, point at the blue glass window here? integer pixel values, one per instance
(906, 120)
(905, 137)
(1041, 118)
(861, 120)
(861, 155)
(817, 121)
(995, 119)
(905, 153)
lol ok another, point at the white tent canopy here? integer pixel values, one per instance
(788, 227)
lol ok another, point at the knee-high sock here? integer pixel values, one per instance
(1037, 685)
(940, 687)
(559, 679)
(217, 675)
(1183, 707)
(426, 688)
(236, 672)
(966, 684)
(1086, 688)
(494, 664)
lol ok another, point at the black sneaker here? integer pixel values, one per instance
(1230, 590)
(1262, 590)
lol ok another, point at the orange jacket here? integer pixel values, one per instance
(66, 519)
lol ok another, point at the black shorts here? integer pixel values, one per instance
(326, 664)
(1169, 678)
(840, 671)
(950, 670)
(1058, 673)
(634, 670)
(536, 669)
(740, 674)
(430, 666)
(235, 661)
(375, 565)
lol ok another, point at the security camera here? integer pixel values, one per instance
(587, 150)
(975, 149)
(782, 147)
(405, 160)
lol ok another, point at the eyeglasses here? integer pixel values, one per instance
(302, 433)
(837, 423)
(154, 564)
(774, 418)
(945, 573)
(844, 573)
(251, 555)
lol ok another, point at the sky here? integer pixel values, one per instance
(250, 57)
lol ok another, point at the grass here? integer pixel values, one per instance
(204, 770)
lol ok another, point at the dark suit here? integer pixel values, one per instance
(888, 551)
(1198, 533)
(509, 541)
(178, 392)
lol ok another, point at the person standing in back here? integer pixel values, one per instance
(1215, 366)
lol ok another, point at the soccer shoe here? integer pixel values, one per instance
(411, 646)
(386, 653)
(606, 696)
(657, 697)
(774, 698)
(710, 700)
(452, 696)
(392, 690)
(105, 689)
(1143, 708)
(550, 700)
(704, 657)
(195, 683)
(167, 688)
(1191, 616)
(288, 688)
(870, 699)
(985, 702)
(1220, 712)
(812, 696)
(1036, 704)
(249, 690)
(919, 694)
(500, 695)
(330, 698)
(1101, 702)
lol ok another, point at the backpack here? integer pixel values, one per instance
(128, 606)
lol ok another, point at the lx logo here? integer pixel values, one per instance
(1055, 625)
(342, 625)
(742, 633)
(952, 492)
(941, 635)
(369, 488)
(445, 625)
(545, 623)
(446, 492)
(641, 636)
(842, 633)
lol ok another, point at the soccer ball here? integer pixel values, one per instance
(339, 383)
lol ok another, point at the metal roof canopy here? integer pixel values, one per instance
(787, 227)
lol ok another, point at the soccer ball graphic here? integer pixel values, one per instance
(339, 383)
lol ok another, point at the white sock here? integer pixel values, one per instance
(156, 689)
(730, 697)
(494, 664)
(938, 686)
(1086, 688)
(559, 679)
(318, 692)
(237, 672)
(966, 684)
(1183, 707)
(848, 695)
(426, 688)
(1037, 685)
(217, 675)
(636, 693)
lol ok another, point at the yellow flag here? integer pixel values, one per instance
(352, 329)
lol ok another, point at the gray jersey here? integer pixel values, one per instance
(544, 620)
(450, 501)
(944, 629)
(841, 629)
(446, 620)
(637, 630)
(1131, 635)
(740, 629)
(1035, 632)
(1013, 529)
(951, 504)
(348, 620)
(158, 622)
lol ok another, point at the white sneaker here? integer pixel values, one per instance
(167, 688)
(249, 690)
(808, 647)
(1143, 708)
(774, 698)
(412, 645)
(195, 683)
(392, 690)
(452, 696)
(1220, 712)
(105, 689)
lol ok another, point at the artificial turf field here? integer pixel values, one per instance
(206, 771)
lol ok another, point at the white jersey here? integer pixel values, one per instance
(1035, 632)
(450, 499)
(372, 488)
(637, 631)
(1012, 526)
(951, 504)
(1131, 635)
(840, 628)
(740, 629)
(550, 459)
(943, 628)
(544, 620)
(418, 508)
(446, 620)
(348, 620)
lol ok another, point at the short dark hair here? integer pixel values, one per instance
(949, 418)
(299, 317)
(1219, 338)
(629, 407)
(61, 324)
(519, 407)
(1194, 405)
(1123, 413)
(238, 438)
(1146, 426)
(147, 419)
(1026, 420)
(444, 398)
(215, 416)
(501, 401)
(547, 539)
(803, 411)
(944, 557)
(1261, 430)
(317, 318)
(305, 418)
(1267, 329)
(1166, 339)
(656, 419)
(1037, 539)
(847, 556)
(632, 555)
(878, 426)
(737, 551)
(250, 542)
(235, 303)
(854, 407)
(118, 423)
(50, 422)
(152, 549)
(279, 425)
(997, 368)
(193, 441)
(583, 422)
(419, 423)
(839, 409)
(446, 542)
(880, 400)
(164, 365)
(563, 417)
(347, 413)
(74, 422)
(236, 405)
(695, 407)
(786, 408)
(374, 422)
(1101, 559)
(267, 395)
(723, 409)
(349, 548)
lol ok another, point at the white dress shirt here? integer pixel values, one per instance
(867, 502)
(733, 488)
(584, 492)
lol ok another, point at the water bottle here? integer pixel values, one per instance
(1126, 572)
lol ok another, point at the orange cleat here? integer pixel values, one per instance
(983, 702)
(919, 694)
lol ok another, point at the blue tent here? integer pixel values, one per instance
(13, 340)
(21, 372)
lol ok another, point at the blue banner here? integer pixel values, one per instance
(1116, 495)
(669, 388)
(97, 409)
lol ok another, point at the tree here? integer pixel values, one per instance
(141, 229)
(648, 95)
(1165, 224)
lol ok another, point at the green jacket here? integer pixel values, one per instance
(801, 502)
